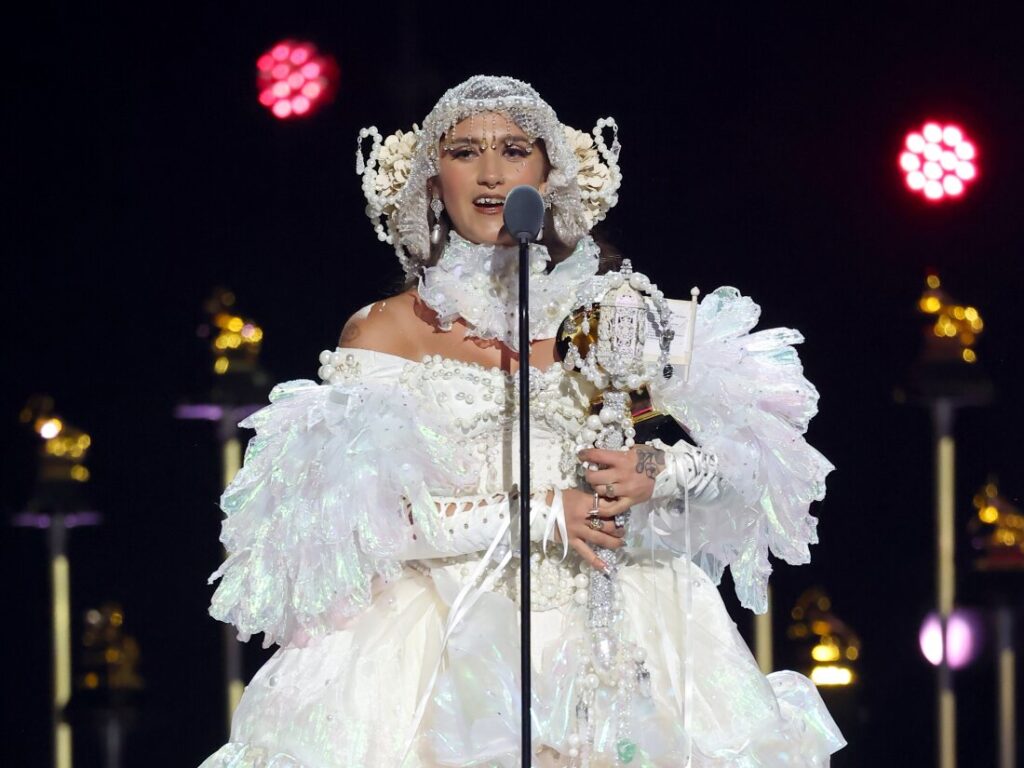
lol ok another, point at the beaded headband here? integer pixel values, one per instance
(582, 184)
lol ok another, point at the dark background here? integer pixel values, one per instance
(759, 150)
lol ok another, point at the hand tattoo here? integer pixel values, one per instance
(649, 461)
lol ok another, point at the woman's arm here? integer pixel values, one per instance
(316, 514)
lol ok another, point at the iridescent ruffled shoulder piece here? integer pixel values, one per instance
(747, 402)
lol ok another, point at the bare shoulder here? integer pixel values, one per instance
(394, 325)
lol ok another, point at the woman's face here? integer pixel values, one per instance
(481, 160)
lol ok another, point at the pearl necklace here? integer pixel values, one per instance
(479, 283)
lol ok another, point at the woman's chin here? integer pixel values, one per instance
(487, 236)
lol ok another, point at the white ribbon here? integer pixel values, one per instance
(687, 625)
(556, 519)
(464, 601)
(667, 649)
(662, 514)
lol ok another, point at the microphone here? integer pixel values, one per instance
(523, 213)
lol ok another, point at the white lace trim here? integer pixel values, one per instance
(479, 283)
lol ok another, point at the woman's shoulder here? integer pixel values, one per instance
(395, 325)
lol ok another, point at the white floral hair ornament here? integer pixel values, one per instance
(582, 185)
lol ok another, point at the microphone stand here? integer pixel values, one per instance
(524, 499)
(524, 218)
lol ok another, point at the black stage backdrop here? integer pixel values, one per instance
(759, 151)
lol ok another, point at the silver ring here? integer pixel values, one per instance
(609, 490)
(594, 522)
(621, 520)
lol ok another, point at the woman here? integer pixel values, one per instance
(369, 532)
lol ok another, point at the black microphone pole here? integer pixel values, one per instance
(524, 216)
(524, 496)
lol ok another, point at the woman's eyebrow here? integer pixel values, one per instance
(471, 140)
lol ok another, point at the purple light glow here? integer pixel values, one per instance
(201, 411)
(43, 521)
(959, 641)
(930, 639)
(963, 632)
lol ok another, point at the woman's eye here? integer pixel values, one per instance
(463, 153)
(514, 150)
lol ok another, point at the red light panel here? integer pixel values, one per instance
(938, 161)
(294, 80)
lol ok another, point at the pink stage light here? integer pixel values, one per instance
(930, 639)
(963, 633)
(938, 161)
(959, 641)
(294, 80)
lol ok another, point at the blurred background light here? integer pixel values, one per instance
(938, 161)
(831, 675)
(963, 639)
(832, 646)
(294, 80)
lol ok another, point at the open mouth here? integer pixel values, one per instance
(486, 204)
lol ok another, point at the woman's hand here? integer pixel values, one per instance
(583, 536)
(621, 479)
(627, 477)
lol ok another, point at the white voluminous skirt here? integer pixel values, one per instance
(372, 691)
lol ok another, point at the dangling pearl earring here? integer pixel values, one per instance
(437, 207)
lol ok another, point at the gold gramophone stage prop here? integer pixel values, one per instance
(240, 387)
(946, 378)
(59, 504)
(996, 532)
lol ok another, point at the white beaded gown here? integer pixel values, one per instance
(370, 510)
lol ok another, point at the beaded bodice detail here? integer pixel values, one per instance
(482, 405)
(478, 407)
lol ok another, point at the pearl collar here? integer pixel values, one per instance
(479, 283)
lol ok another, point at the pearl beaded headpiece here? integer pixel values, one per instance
(582, 184)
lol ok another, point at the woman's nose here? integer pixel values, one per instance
(490, 169)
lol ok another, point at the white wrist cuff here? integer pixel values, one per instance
(687, 467)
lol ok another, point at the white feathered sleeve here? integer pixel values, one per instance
(322, 504)
(748, 403)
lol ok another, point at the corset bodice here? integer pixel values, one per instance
(477, 408)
